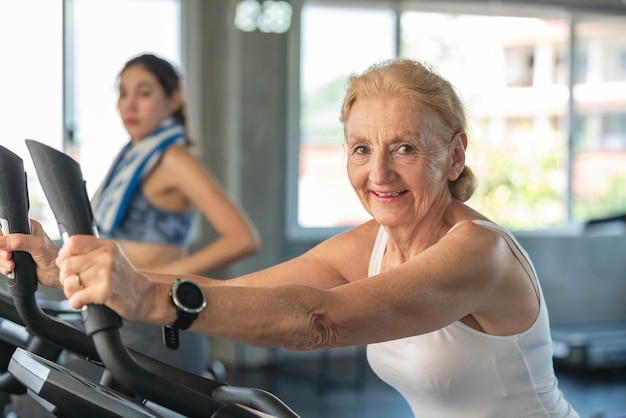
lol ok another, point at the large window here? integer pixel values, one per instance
(329, 56)
(509, 73)
(32, 93)
(541, 160)
(64, 95)
(599, 146)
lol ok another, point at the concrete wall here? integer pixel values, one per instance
(242, 123)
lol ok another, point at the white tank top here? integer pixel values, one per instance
(458, 371)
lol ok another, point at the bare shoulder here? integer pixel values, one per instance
(476, 244)
(482, 232)
(180, 165)
(179, 171)
(350, 250)
(508, 298)
(177, 156)
(359, 237)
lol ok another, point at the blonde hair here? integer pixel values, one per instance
(435, 96)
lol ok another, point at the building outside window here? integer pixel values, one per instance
(541, 161)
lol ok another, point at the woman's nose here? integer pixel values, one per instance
(381, 168)
(127, 102)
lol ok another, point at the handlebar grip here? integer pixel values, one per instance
(62, 181)
(14, 206)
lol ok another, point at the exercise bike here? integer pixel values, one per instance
(133, 384)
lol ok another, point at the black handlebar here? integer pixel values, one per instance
(64, 187)
(62, 182)
(22, 282)
(14, 205)
(22, 306)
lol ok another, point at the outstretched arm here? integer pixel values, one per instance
(470, 273)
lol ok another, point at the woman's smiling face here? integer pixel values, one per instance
(396, 172)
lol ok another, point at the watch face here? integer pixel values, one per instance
(190, 297)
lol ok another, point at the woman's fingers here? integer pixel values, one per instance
(85, 270)
(8, 244)
(96, 271)
(42, 249)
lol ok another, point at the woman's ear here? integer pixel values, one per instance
(457, 155)
(176, 101)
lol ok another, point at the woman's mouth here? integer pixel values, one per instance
(390, 194)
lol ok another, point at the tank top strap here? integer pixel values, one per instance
(376, 258)
(516, 248)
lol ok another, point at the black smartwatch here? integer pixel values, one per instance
(189, 301)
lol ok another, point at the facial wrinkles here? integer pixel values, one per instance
(434, 167)
(395, 161)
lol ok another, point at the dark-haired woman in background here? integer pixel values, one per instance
(148, 200)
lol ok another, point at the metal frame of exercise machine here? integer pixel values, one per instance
(160, 387)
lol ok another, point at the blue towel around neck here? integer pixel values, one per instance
(130, 167)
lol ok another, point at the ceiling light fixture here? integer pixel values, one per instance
(269, 16)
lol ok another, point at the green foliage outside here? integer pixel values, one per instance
(611, 202)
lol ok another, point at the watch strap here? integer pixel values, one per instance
(170, 337)
(184, 320)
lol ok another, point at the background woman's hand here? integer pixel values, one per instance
(41, 248)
